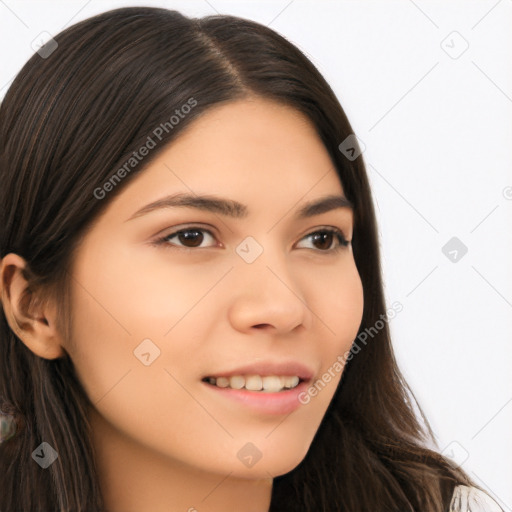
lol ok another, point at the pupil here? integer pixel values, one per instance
(184, 236)
(322, 237)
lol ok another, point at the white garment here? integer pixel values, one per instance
(471, 499)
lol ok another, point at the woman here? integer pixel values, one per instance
(188, 265)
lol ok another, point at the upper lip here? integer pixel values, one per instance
(267, 368)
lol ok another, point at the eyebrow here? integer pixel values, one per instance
(231, 208)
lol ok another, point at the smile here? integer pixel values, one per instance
(268, 384)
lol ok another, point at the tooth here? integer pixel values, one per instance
(272, 383)
(237, 382)
(253, 383)
(222, 382)
(290, 382)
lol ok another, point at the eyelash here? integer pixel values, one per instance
(342, 241)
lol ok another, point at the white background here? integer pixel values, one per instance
(438, 135)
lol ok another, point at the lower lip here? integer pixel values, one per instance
(281, 402)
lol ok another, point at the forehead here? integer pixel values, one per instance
(256, 151)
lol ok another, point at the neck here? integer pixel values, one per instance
(134, 478)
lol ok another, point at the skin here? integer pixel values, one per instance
(163, 441)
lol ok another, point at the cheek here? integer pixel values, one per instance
(119, 317)
(148, 403)
(152, 290)
(125, 292)
(340, 310)
(101, 341)
(338, 304)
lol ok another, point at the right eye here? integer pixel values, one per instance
(189, 238)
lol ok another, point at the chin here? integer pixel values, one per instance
(274, 465)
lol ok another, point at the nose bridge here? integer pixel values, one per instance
(263, 262)
(268, 292)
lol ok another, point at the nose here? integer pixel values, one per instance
(268, 298)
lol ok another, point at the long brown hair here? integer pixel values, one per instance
(70, 119)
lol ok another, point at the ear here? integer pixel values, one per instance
(32, 322)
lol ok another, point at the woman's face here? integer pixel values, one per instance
(156, 313)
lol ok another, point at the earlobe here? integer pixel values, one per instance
(33, 322)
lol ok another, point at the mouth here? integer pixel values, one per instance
(263, 387)
(256, 383)
(272, 400)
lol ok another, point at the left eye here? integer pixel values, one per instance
(327, 237)
(191, 238)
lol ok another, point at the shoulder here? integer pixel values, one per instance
(471, 499)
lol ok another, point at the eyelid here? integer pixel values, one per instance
(164, 233)
(343, 240)
(325, 227)
(162, 239)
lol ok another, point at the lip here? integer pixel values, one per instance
(268, 368)
(262, 402)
